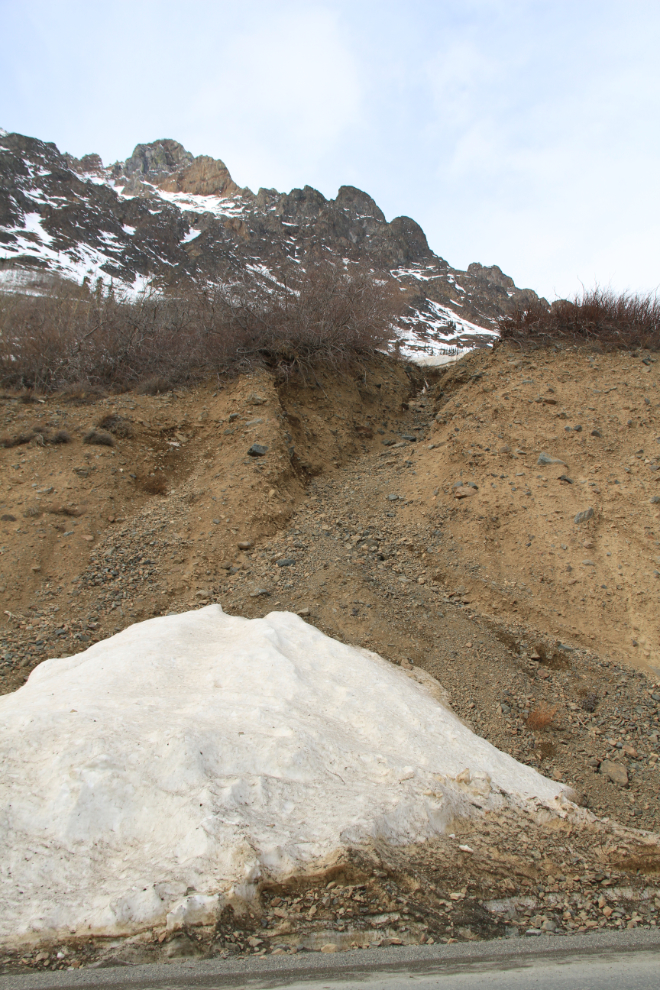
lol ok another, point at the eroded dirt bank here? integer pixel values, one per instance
(544, 630)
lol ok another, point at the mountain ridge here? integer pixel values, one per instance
(164, 217)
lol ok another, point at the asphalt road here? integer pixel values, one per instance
(608, 961)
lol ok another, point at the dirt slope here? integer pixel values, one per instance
(350, 517)
(520, 549)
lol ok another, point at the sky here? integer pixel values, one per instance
(521, 133)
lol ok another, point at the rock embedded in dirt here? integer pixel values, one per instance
(584, 516)
(614, 771)
(257, 450)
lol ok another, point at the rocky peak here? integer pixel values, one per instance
(204, 176)
(491, 274)
(155, 160)
(358, 202)
(164, 218)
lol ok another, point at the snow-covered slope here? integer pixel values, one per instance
(169, 767)
(163, 218)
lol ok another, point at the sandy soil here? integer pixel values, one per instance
(543, 630)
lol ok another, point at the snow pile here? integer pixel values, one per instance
(170, 766)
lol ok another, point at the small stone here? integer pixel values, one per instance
(583, 516)
(286, 562)
(256, 400)
(35, 568)
(409, 436)
(258, 592)
(392, 498)
(546, 459)
(244, 544)
(614, 771)
(596, 433)
(465, 491)
(257, 450)
(304, 611)
(654, 501)
(330, 947)
(7, 517)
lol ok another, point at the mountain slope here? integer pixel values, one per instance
(164, 218)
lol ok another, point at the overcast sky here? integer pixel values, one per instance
(522, 133)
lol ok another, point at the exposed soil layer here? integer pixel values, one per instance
(543, 630)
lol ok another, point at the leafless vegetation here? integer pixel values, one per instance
(100, 438)
(84, 343)
(116, 425)
(598, 318)
(39, 435)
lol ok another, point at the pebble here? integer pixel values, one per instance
(583, 516)
(257, 450)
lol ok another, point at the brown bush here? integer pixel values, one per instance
(60, 436)
(84, 344)
(541, 717)
(598, 318)
(116, 425)
(100, 438)
(16, 441)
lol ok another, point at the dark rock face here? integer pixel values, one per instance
(165, 218)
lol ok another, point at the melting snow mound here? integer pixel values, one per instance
(164, 770)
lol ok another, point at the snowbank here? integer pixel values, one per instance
(151, 775)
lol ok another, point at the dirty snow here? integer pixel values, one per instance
(172, 765)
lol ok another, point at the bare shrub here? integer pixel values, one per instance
(541, 717)
(16, 441)
(85, 344)
(116, 425)
(60, 436)
(100, 438)
(597, 318)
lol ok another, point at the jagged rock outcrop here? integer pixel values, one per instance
(164, 218)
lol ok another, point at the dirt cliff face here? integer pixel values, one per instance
(164, 219)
